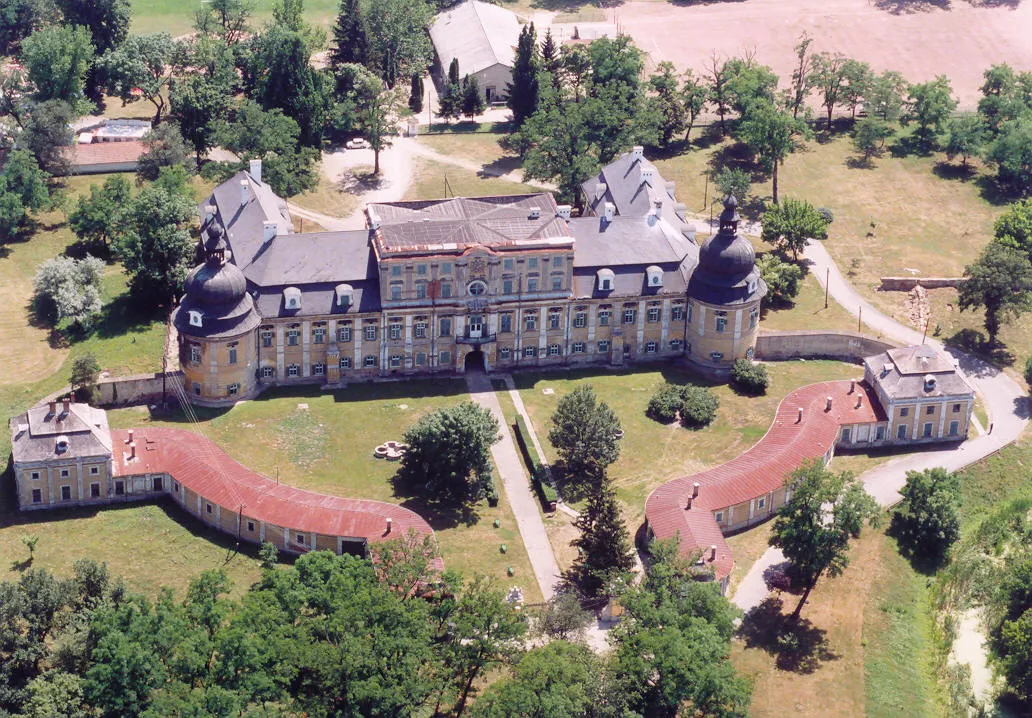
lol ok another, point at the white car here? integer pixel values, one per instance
(357, 143)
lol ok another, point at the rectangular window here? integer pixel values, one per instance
(721, 323)
(507, 286)
(530, 321)
(395, 292)
(445, 327)
(580, 319)
(94, 490)
(420, 358)
(421, 270)
(446, 290)
(233, 389)
(35, 476)
(927, 432)
(395, 330)
(345, 362)
(318, 369)
(716, 356)
(421, 290)
(901, 431)
(650, 347)
(905, 411)
(653, 314)
(293, 370)
(37, 496)
(675, 345)
(677, 313)
(395, 361)
(761, 503)
(529, 352)
(956, 408)
(929, 410)
(603, 346)
(557, 261)
(344, 333)
(207, 508)
(532, 263)
(156, 484)
(250, 526)
(845, 434)
(195, 353)
(232, 355)
(119, 488)
(532, 284)
(578, 347)
(505, 353)
(268, 372)
(691, 311)
(446, 267)
(196, 388)
(292, 337)
(629, 315)
(754, 316)
(603, 318)
(553, 350)
(508, 264)
(369, 361)
(266, 338)
(505, 323)
(66, 493)
(319, 335)
(879, 433)
(557, 282)
(420, 330)
(370, 332)
(954, 428)
(719, 517)
(396, 270)
(444, 359)
(555, 319)
(64, 473)
(94, 470)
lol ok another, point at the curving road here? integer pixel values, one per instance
(1004, 399)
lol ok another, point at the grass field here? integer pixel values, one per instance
(330, 198)
(478, 147)
(653, 453)
(177, 17)
(433, 180)
(328, 447)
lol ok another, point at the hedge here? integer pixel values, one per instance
(538, 473)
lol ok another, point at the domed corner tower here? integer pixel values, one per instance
(724, 296)
(216, 321)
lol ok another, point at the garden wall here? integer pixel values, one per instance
(126, 390)
(816, 344)
(905, 284)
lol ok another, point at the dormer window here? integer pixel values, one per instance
(345, 295)
(606, 279)
(655, 276)
(929, 382)
(196, 318)
(292, 298)
(62, 444)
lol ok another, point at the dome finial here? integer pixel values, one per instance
(729, 217)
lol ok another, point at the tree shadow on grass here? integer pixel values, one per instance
(797, 646)
(911, 7)
(950, 171)
(926, 564)
(974, 342)
(993, 192)
(501, 166)
(441, 513)
(123, 315)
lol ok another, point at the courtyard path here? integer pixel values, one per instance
(1005, 401)
(517, 489)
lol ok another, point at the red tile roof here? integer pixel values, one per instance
(102, 153)
(201, 466)
(788, 443)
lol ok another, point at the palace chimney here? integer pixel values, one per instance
(800, 419)
(713, 552)
(388, 524)
(828, 407)
(695, 490)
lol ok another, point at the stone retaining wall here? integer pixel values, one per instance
(126, 390)
(817, 344)
(905, 284)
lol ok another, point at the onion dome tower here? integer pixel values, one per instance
(724, 296)
(216, 321)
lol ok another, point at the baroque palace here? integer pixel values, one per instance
(434, 287)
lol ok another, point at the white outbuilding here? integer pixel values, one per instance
(483, 37)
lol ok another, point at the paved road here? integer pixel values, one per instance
(1005, 401)
(517, 489)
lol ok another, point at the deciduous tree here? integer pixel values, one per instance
(398, 41)
(584, 433)
(56, 59)
(665, 102)
(164, 148)
(229, 20)
(46, 133)
(557, 680)
(927, 521)
(929, 106)
(732, 181)
(965, 136)
(802, 74)
(772, 135)
(829, 79)
(813, 529)
(781, 277)
(1011, 152)
(19, 19)
(869, 136)
(693, 99)
(378, 117)
(1000, 282)
(22, 176)
(791, 224)
(1013, 228)
(85, 372)
(142, 67)
(67, 288)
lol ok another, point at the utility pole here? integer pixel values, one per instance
(859, 318)
(827, 282)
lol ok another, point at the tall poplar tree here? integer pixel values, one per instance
(523, 90)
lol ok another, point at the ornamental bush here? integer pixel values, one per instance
(749, 378)
(699, 406)
(665, 403)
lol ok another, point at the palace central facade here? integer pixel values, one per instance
(432, 287)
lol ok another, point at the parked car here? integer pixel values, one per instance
(357, 143)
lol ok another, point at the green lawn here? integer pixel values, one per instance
(328, 447)
(477, 147)
(177, 18)
(653, 453)
(434, 180)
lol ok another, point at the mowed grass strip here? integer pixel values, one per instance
(323, 441)
(177, 17)
(434, 180)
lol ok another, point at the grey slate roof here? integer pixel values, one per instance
(453, 225)
(34, 434)
(244, 223)
(312, 258)
(630, 193)
(910, 382)
(479, 34)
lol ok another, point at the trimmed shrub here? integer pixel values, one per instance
(1028, 372)
(535, 467)
(665, 403)
(699, 406)
(749, 378)
(828, 215)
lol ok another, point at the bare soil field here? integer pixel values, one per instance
(921, 39)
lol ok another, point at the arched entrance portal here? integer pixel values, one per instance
(474, 361)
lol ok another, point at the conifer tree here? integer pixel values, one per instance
(415, 102)
(523, 90)
(550, 60)
(472, 100)
(453, 71)
(604, 543)
(349, 35)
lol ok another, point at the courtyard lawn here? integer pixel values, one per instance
(476, 147)
(330, 198)
(177, 17)
(433, 180)
(328, 447)
(652, 453)
(866, 644)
